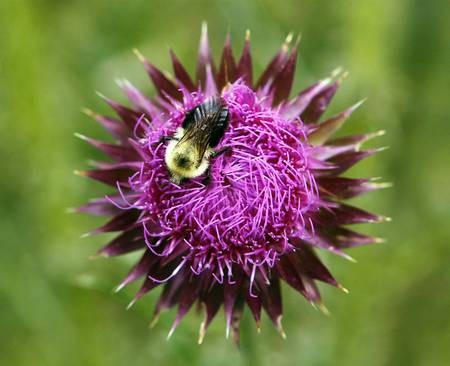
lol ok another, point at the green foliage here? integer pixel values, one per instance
(57, 307)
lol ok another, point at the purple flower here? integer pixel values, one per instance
(273, 197)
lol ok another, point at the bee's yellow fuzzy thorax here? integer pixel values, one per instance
(175, 149)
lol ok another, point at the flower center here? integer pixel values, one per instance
(260, 194)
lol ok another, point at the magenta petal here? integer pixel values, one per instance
(297, 106)
(116, 128)
(146, 287)
(212, 299)
(323, 131)
(228, 69)
(127, 242)
(107, 165)
(139, 270)
(205, 59)
(345, 188)
(245, 68)
(345, 161)
(111, 177)
(170, 294)
(345, 215)
(149, 284)
(274, 67)
(346, 238)
(128, 116)
(138, 99)
(121, 222)
(290, 274)
(311, 291)
(282, 83)
(311, 266)
(327, 152)
(210, 88)
(236, 316)
(272, 304)
(162, 84)
(174, 253)
(319, 104)
(354, 139)
(180, 73)
(99, 207)
(255, 304)
(117, 152)
(188, 295)
(323, 242)
(230, 294)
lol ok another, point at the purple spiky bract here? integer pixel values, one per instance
(274, 197)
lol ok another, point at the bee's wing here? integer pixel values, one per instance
(205, 124)
(202, 111)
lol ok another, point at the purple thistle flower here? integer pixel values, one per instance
(273, 197)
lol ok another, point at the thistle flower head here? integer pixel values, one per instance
(274, 196)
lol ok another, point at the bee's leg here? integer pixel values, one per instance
(164, 139)
(223, 150)
(207, 180)
(178, 180)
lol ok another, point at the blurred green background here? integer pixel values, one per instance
(57, 307)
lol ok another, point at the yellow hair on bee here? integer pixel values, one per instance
(183, 160)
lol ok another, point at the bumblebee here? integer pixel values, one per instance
(191, 148)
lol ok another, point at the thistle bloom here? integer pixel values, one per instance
(275, 197)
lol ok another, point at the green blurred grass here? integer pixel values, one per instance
(56, 307)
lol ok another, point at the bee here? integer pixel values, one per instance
(191, 148)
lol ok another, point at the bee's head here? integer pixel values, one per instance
(183, 161)
(185, 156)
